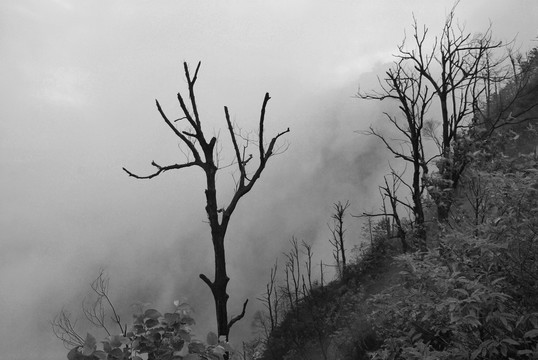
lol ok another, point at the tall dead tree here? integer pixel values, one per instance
(292, 272)
(454, 67)
(337, 237)
(203, 154)
(271, 300)
(450, 69)
(409, 89)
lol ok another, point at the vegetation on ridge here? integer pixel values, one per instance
(469, 287)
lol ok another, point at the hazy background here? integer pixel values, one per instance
(77, 90)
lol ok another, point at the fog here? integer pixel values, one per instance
(78, 90)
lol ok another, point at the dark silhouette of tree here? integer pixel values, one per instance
(447, 78)
(337, 237)
(203, 154)
(271, 300)
(454, 68)
(409, 89)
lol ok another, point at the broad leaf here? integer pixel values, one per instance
(139, 329)
(151, 323)
(90, 345)
(135, 344)
(177, 343)
(188, 320)
(212, 338)
(74, 354)
(101, 355)
(185, 335)
(182, 352)
(184, 309)
(219, 350)
(172, 318)
(115, 354)
(511, 341)
(117, 340)
(197, 347)
(152, 314)
(531, 333)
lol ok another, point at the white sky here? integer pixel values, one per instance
(79, 79)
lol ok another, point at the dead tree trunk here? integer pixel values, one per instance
(202, 154)
(337, 241)
(407, 88)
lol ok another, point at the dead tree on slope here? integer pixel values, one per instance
(203, 154)
(409, 89)
(337, 237)
(454, 68)
(271, 300)
(451, 69)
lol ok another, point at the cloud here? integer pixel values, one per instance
(64, 4)
(64, 86)
(81, 79)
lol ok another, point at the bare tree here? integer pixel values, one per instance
(292, 272)
(409, 89)
(337, 237)
(203, 154)
(271, 300)
(307, 250)
(389, 192)
(454, 68)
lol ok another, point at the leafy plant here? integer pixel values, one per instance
(160, 336)
(441, 313)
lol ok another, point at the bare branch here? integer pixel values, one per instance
(64, 329)
(175, 130)
(238, 317)
(260, 131)
(161, 169)
(240, 163)
(206, 280)
(191, 92)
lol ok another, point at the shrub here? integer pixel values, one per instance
(440, 313)
(163, 337)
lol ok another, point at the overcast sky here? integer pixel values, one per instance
(78, 86)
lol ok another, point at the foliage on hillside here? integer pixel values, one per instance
(474, 293)
(329, 319)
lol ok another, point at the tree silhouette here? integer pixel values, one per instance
(203, 154)
(445, 78)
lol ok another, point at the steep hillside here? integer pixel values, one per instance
(330, 322)
(473, 294)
